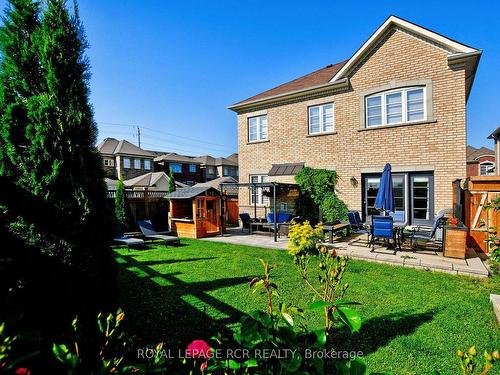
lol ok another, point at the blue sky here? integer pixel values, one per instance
(172, 67)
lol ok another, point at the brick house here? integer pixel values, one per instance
(480, 161)
(122, 159)
(401, 98)
(213, 168)
(186, 169)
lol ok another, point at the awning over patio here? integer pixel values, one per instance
(286, 169)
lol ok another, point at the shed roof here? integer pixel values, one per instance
(189, 192)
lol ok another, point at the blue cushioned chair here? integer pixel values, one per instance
(383, 228)
(424, 234)
(357, 226)
(245, 221)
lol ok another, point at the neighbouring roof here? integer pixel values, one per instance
(232, 160)
(172, 156)
(216, 182)
(149, 179)
(495, 134)
(188, 192)
(112, 146)
(285, 169)
(335, 74)
(474, 153)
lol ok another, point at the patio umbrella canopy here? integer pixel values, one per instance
(385, 195)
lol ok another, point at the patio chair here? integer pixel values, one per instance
(245, 221)
(119, 238)
(383, 228)
(151, 234)
(426, 234)
(357, 226)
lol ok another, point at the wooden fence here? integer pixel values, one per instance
(144, 205)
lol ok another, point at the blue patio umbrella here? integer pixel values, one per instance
(385, 195)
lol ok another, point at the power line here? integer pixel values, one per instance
(161, 132)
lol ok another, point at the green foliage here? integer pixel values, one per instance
(120, 208)
(171, 182)
(303, 238)
(319, 186)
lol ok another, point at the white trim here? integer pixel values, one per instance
(258, 128)
(393, 20)
(404, 106)
(485, 156)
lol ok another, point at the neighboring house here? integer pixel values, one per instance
(229, 190)
(122, 159)
(496, 138)
(151, 181)
(401, 98)
(480, 161)
(219, 167)
(186, 169)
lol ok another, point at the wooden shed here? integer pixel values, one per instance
(479, 192)
(195, 212)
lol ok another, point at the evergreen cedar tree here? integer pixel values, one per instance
(57, 266)
(120, 208)
(171, 182)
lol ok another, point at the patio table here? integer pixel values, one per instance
(398, 229)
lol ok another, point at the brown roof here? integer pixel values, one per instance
(172, 156)
(318, 77)
(473, 153)
(287, 169)
(112, 146)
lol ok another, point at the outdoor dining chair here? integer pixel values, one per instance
(383, 228)
(424, 234)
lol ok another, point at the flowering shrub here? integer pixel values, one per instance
(303, 238)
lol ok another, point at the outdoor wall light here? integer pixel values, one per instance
(354, 182)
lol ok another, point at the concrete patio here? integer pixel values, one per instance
(355, 247)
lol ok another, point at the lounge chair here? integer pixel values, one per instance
(383, 228)
(426, 234)
(119, 238)
(151, 234)
(357, 226)
(246, 220)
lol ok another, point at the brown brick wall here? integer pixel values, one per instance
(128, 173)
(439, 144)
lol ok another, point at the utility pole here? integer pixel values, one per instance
(139, 136)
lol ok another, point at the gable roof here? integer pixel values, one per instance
(210, 160)
(172, 156)
(318, 77)
(149, 179)
(474, 153)
(335, 75)
(189, 192)
(112, 146)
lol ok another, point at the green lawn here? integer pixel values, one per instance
(414, 320)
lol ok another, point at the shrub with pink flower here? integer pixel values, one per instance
(199, 349)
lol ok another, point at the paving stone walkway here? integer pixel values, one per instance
(355, 247)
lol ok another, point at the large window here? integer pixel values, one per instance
(396, 107)
(126, 163)
(257, 194)
(147, 164)
(257, 128)
(486, 168)
(137, 163)
(176, 167)
(321, 119)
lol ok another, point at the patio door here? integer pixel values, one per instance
(371, 185)
(422, 199)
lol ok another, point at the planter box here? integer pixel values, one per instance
(455, 241)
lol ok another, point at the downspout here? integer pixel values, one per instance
(274, 213)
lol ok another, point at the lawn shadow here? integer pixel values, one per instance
(160, 307)
(173, 261)
(378, 332)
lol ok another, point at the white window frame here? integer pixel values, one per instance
(109, 162)
(261, 199)
(137, 163)
(259, 129)
(126, 163)
(147, 164)
(322, 126)
(192, 168)
(172, 169)
(404, 106)
(492, 170)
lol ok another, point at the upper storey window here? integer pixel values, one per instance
(257, 128)
(321, 119)
(396, 107)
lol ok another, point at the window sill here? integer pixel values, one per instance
(321, 134)
(423, 122)
(254, 142)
